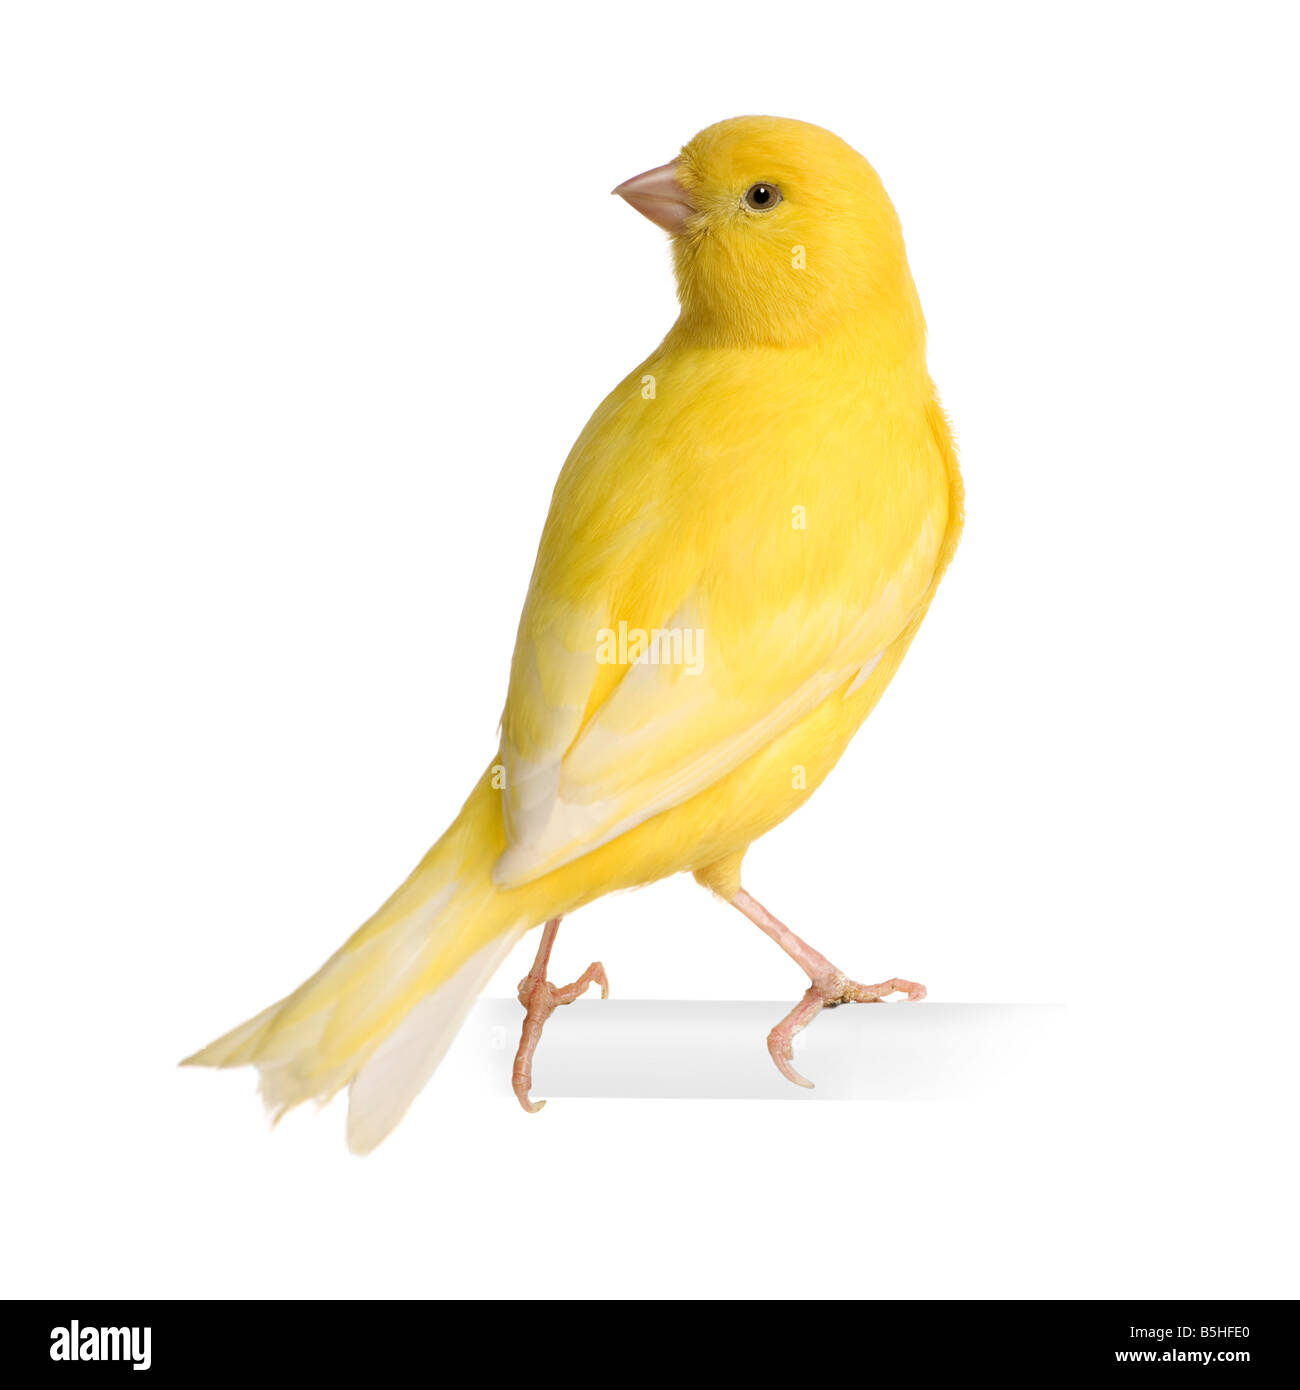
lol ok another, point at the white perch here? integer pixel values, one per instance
(711, 1049)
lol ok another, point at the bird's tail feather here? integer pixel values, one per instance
(381, 1012)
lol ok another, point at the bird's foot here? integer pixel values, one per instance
(540, 999)
(826, 992)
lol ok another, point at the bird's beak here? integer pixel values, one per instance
(656, 194)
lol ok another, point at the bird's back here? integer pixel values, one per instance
(787, 505)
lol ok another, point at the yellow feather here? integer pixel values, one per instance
(775, 492)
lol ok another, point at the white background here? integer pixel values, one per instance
(302, 308)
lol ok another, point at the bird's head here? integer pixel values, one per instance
(781, 234)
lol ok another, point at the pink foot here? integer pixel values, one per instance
(827, 993)
(540, 999)
(830, 986)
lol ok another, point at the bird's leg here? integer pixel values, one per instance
(830, 986)
(540, 999)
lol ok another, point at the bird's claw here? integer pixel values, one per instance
(877, 994)
(828, 993)
(540, 999)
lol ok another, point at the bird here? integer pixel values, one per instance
(739, 550)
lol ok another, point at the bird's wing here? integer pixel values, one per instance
(593, 746)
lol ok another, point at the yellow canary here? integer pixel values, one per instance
(740, 548)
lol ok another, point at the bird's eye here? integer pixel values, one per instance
(762, 197)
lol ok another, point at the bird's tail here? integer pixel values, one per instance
(381, 1012)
